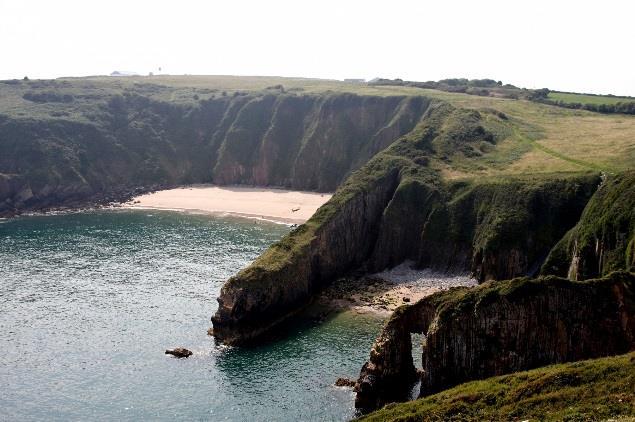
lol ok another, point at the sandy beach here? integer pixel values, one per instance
(269, 204)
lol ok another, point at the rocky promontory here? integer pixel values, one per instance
(398, 207)
(498, 328)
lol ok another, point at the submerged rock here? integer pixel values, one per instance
(179, 352)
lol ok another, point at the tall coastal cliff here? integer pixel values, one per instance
(499, 328)
(120, 144)
(398, 207)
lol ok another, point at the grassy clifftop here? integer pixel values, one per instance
(591, 390)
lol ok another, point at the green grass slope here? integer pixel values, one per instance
(591, 390)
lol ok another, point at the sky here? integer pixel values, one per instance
(580, 46)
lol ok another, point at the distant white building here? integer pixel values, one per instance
(123, 73)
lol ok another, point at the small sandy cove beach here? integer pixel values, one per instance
(269, 204)
(382, 293)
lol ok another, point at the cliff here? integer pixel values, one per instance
(108, 147)
(592, 390)
(499, 328)
(604, 238)
(398, 206)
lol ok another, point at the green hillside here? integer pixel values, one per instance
(592, 390)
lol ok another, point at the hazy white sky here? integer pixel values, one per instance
(568, 45)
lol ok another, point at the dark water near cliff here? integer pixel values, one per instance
(90, 301)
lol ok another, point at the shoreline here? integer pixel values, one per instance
(214, 213)
(265, 204)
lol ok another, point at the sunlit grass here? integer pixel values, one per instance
(582, 391)
(588, 99)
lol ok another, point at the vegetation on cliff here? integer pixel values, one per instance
(591, 390)
(506, 177)
(604, 238)
(454, 179)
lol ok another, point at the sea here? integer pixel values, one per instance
(90, 301)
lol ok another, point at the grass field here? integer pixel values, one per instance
(588, 99)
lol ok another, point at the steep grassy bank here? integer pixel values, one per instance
(591, 390)
(499, 328)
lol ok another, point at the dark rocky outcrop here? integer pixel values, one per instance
(336, 240)
(345, 382)
(604, 238)
(499, 328)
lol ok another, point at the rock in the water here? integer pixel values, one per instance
(344, 382)
(179, 352)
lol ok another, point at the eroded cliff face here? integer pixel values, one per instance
(397, 207)
(499, 328)
(131, 143)
(604, 238)
(311, 142)
(503, 230)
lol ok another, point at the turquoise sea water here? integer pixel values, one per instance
(90, 301)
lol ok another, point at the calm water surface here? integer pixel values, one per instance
(90, 301)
